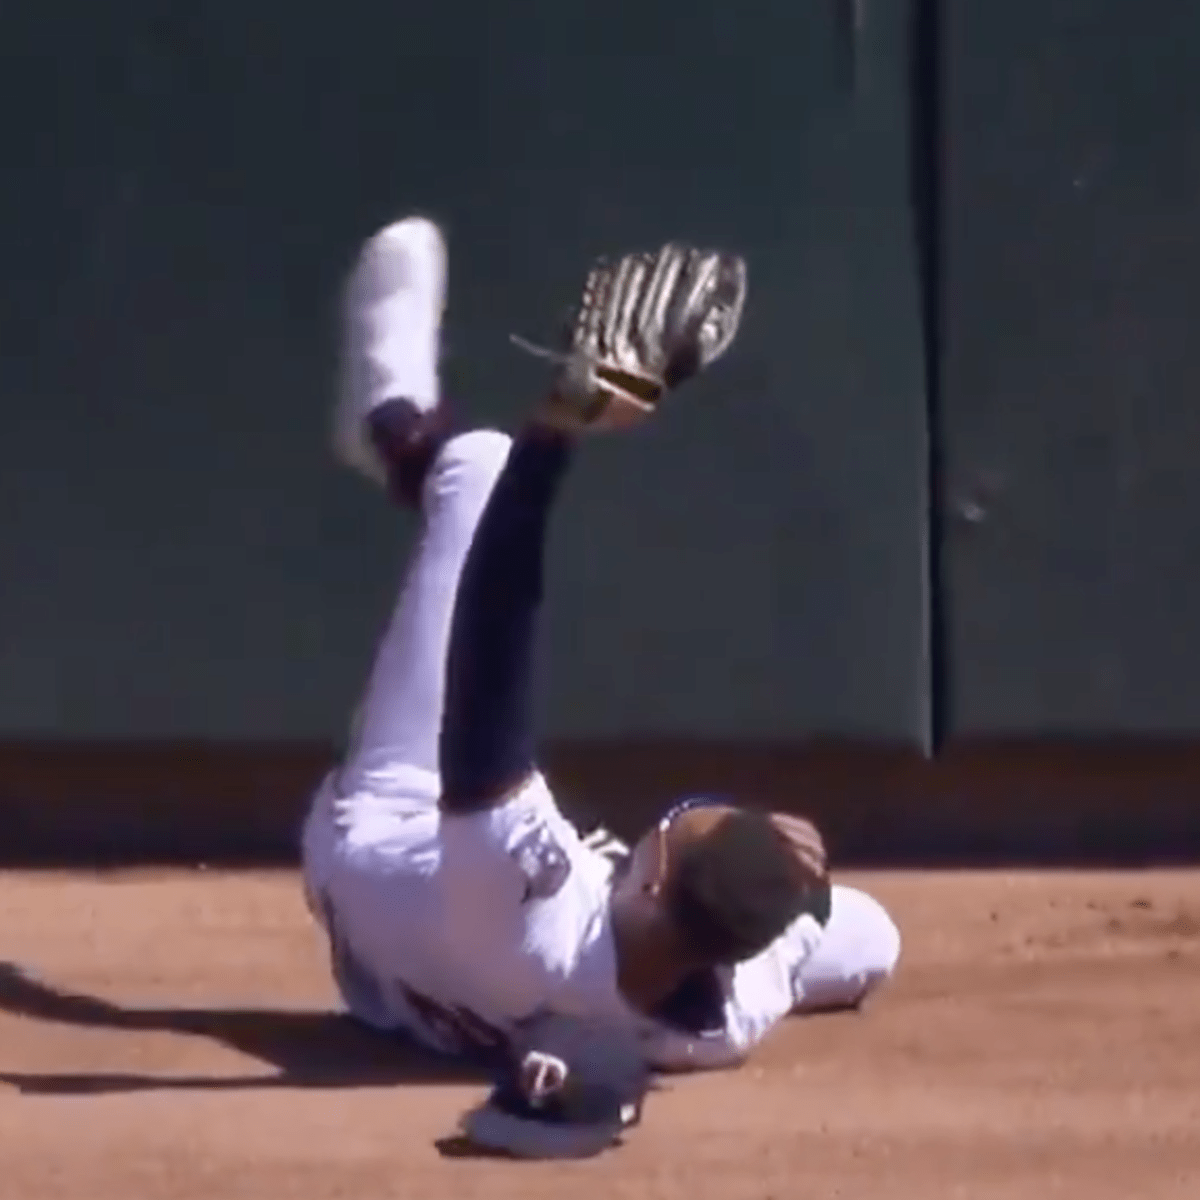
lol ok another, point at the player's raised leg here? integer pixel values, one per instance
(394, 743)
(391, 424)
(370, 839)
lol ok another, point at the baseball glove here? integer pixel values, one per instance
(645, 324)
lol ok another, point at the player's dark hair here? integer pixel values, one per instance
(735, 890)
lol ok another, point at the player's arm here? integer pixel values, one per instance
(487, 750)
(645, 324)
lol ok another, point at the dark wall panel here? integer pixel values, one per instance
(1073, 367)
(187, 187)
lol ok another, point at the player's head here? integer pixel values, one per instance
(721, 883)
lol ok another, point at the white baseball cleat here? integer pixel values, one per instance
(392, 318)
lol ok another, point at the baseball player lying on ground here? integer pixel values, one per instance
(460, 905)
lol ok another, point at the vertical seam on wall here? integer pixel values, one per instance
(925, 191)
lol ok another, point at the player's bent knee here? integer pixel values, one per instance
(857, 954)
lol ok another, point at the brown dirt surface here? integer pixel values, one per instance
(172, 1035)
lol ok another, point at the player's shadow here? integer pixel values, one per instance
(306, 1049)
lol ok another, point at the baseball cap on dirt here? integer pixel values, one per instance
(570, 1090)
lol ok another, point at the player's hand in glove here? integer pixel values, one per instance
(645, 324)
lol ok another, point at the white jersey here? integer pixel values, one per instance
(457, 927)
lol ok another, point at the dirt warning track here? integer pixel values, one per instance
(170, 1036)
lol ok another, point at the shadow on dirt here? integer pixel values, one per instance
(307, 1049)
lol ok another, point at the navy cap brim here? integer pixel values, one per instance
(523, 1137)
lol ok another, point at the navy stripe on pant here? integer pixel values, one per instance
(488, 741)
